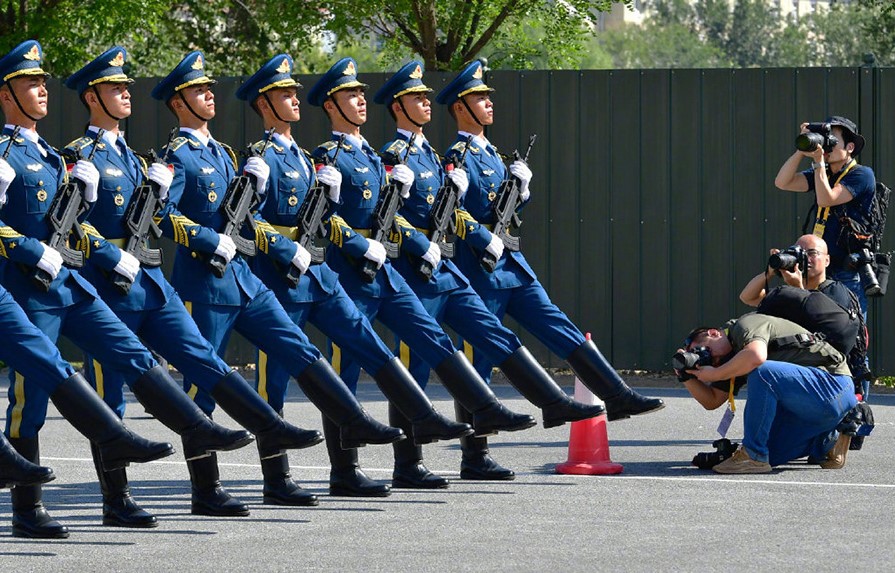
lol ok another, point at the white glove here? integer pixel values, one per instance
(375, 252)
(459, 178)
(161, 175)
(405, 176)
(302, 258)
(433, 255)
(330, 177)
(7, 174)
(495, 247)
(50, 261)
(260, 169)
(86, 172)
(521, 172)
(128, 266)
(226, 247)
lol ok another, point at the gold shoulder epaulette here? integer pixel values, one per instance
(178, 142)
(80, 143)
(397, 147)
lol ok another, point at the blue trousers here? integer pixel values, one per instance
(852, 280)
(264, 323)
(792, 411)
(531, 307)
(172, 333)
(338, 319)
(94, 328)
(467, 315)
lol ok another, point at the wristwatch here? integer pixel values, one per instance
(818, 165)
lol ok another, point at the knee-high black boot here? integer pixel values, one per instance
(29, 516)
(466, 386)
(426, 424)
(119, 507)
(477, 462)
(208, 495)
(536, 385)
(328, 392)
(170, 405)
(242, 402)
(79, 403)
(279, 487)
(17, 471)
(601, 378)
(345, 476)
(410, 472)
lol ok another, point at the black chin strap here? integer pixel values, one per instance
(342, 113)
(102, 104)
(273, 109)
(472, 113)
(19, 104)
(407, 115)
(192, 111)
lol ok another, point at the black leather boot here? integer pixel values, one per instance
(234, 395)
(536, 385)
(280, 488)
(489, 416)
(79, 403)
(119, 508)
(17, 471)
(601, 378)
(170, 405)
(328, 392)
(402, 391)
(345, 476)
(410, 472)
(208, 495)
(477, 462)
(29, 516)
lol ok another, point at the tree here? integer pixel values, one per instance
(654, 45)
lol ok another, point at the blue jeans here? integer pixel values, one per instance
(792, 411)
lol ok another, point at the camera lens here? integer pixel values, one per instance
(783, 261)
(809, 141)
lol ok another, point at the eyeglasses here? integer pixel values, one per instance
(814, 253)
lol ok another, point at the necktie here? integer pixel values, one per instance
(216, 154)
(301, 161)
(121, 146)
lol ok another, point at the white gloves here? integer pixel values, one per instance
(432, 255)
(330, 177)
(260, 169)
(226, 247)
(86, 172)
(50, 261)
(459, 178)
(161, 175)
(128, 266)
(405, 176)
(495, 247)
(7, 174)
(375, 252)
(521, 172)
(302, 258)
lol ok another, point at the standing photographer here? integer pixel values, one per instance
(842, 187)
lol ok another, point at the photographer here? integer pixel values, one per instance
(799, 390)
(842, 187)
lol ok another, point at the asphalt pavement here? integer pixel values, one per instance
(659, 514)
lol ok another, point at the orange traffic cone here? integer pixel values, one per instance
(588, 442)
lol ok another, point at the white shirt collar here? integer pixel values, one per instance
(351, 139)
(480, 139)
(286, 142)
(203, 139)
(418, 141)
(28, 134)
(108, 136)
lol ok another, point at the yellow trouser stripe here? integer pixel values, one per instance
(193, 388)
(337, 359)
(262, 374)
(467, 350)
(98, 379)
(15, 425)
(404, 352)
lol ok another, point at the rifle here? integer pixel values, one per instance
(505, 215)
(62, 217)
(139, 220)
(239, 200)
(310, 219)
(442, 221)
(384, 222)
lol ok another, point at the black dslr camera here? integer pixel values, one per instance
(683, 361)
(724, 448)
(862, 261)
(788, 258)
(819, 135)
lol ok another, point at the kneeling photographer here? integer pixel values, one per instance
(800, 389)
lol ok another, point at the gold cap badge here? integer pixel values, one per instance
(477, 74)
(118, 60)
(417, 73)
(349, 70)
(33, 53)
(197, 65)
(284, 67)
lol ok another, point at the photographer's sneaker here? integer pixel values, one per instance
(836, 457)
(741, 463)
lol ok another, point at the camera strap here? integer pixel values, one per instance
(823, 213)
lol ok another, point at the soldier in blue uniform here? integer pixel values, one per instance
(446, 294)
(513, 288)
(68, 305)
(203, 169)
(150, 307)
(387, 298)
(318, 298)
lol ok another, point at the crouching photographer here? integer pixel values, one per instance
(800, 390)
